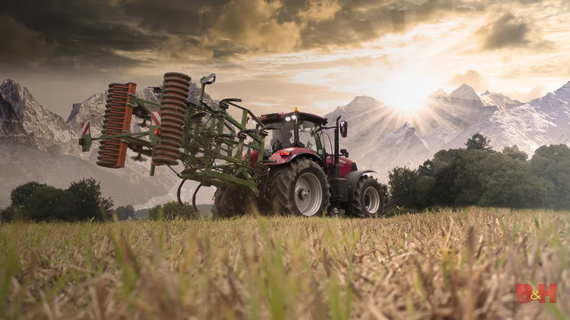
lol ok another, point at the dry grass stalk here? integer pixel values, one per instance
(444, 265)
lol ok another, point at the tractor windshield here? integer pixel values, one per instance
(282, 135)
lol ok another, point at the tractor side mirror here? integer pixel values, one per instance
(343, 129)
(344, 152)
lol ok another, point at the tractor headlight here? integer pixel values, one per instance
(294, 117)
(287, 118)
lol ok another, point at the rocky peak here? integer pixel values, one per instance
(564, 92)
(406, 130)
(492, 99)
(363, 99)
(464, 92)
(15, 96)
(30, 121)
(466, 96)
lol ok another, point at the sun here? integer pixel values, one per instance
(405, 91)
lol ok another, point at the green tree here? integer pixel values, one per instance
(511, 184)
(426, 169)
(424, 190)
(126, 212)
(22, 194)
(515, 153)
(10, 214)
(457, 177)
(171, 211)
(49, 204)
(88, 202)
(553, 164)
(403, 189)
(479, 142)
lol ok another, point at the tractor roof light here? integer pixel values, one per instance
(287, 118)
(294, 117)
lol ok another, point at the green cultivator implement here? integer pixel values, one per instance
(290, 174)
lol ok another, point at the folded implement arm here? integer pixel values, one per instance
(213, 147)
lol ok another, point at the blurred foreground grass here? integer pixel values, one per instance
(440, 265)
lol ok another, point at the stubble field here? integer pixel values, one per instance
(436, 265)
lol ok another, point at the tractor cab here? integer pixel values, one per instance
(293, 130)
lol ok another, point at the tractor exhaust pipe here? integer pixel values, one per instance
(337, 149)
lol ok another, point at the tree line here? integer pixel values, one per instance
(81, 201)
(481, 176)
(35, 202)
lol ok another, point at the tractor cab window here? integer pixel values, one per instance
(307, 136)
(281, 135)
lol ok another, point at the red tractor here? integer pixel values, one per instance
(281, 166)
(301, 177)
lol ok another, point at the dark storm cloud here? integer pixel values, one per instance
(368, 19)
(82, 33)
(175, 17)
(20, 43)
(89, 33)
(511, 31)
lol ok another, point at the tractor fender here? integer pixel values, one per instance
(352, 179)
(287, 155)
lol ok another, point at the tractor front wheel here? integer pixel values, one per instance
(369, 199)
(229, 202)
(299, 188)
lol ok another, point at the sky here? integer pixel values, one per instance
(281, 54)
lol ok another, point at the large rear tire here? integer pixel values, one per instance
(299, 188)
(369, 199)
(230, 202)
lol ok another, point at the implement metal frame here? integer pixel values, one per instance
(216, 148)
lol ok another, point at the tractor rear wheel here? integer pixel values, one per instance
(369, 199)
(299, 188)
(230, 202)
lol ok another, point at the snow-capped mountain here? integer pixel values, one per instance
(542, 121)
(498, 99)
(38, 145)
(24, 119)
(448, 121)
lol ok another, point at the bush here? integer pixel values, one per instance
(479, 176)
(171, 211)
(126, 212)
(11, 214)
(88, 202)
(39, 202)
(553, 164)
(21, 195)
(49, 204)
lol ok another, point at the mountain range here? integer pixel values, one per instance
(447, 121)
(39, 145)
